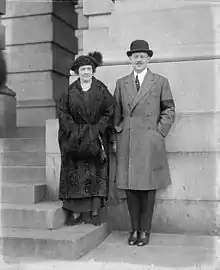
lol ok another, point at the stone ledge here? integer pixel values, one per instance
(96, 7)
(26, 8)
(17, 158)
(142, 5)
(48, 85)
(40, 29)
(22, 174)
(30, 133)
(23, 144)
(68, 243)
(40, 57)
(22, 193)
(42, 216)
(36, 103)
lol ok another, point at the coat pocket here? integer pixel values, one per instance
(158, 150)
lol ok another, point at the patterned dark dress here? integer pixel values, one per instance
(84, 180)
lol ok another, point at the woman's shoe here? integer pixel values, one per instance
(73, 219)
(95, 219)
(133, 238)
(143, 239)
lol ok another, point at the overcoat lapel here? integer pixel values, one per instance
(144, 89)
(131, 89)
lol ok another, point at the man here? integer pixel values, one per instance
(144, 114)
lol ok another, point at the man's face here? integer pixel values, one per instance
(85, 73)
(139, 61)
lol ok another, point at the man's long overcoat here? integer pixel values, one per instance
(142, 121)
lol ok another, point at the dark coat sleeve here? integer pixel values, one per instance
(2, 70)
(167, 109)
(106, 120)
(82, 139)
(68, 128)
(71, 134)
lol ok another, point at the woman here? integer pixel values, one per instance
(85, 114)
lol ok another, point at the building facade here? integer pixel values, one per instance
(43, 37)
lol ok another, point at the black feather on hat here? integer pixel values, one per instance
(93, 58)
(97, 56)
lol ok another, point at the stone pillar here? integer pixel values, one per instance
(7, 96)
(52, 148)
(40, 45)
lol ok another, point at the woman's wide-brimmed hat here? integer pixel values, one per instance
(139, 46)
(93, 58)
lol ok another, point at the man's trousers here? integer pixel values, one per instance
(141, 207)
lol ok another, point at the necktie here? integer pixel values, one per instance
(137, 83)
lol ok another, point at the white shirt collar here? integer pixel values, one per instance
(140, 75)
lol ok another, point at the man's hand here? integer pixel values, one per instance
(114, 147)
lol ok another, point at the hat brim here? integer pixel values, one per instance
(149, 52)
(83, 60)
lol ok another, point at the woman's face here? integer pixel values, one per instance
(85, 73)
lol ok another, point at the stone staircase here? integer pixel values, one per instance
(31, 225)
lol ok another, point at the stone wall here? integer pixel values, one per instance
(185, 38)
(40, 45)
(7, 96)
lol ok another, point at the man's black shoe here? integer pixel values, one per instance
(143, 239)
(133, 238)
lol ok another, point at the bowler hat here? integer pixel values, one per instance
(139, 46)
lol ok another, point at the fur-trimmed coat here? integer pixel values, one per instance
(81, 120)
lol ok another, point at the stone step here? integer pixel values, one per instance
(22, 193)
(22, 144)
(164, 252)
(42, 216)
(18, 158)
(22, 174)
(29, 132)
(68, 243)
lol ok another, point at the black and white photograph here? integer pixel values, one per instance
(110, 134)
